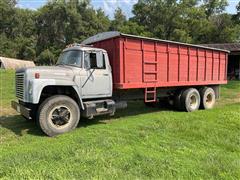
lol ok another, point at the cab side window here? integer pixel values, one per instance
(94, 60)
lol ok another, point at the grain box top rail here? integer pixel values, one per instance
(113, 34)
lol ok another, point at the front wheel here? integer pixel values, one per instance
(58, 114)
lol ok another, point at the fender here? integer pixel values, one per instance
(39, 84)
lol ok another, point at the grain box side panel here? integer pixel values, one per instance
(173, 63)
(133, 58)
(122, 55)
(183, 66)
(222, 66)
(193, 65)
(162, 59)
(150, 66)
(209, 65)
(215, 65)
(226, 66)
(201, 65)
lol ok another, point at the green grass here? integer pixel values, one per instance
(230, 93)
(138, 143)
(7, 84)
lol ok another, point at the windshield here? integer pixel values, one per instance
(73, 57)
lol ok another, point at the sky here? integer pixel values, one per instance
(109, 6)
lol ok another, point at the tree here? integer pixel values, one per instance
(25, 33)
(46, 57)
(214, 6)
(119, 20)
(7, 16)
(238, 9)
(131, 27)
(166, 19)
(24, 23)
(194, 25)
(236, 17)
(120, 23)
(8, 48)
(186, 20)
(223, 29)
(158, 18)
(63, 22)
(17, 31)
(26, 48)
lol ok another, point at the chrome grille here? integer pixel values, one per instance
(20, 86)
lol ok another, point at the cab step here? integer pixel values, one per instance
(100, 110)
(101, 107)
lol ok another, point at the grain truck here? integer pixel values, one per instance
(109, 69)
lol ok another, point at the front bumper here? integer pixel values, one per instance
(21, 109)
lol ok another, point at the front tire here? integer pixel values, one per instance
(58, 114)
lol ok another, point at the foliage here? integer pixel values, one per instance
(223, 29)
(119, 20)
(159, 18)
(46, 57)
(236, 17)
(214, 6)
(17, 31)
(29, 34)
(187, 21)
(131, 27)
(7, 17)
(120, 23)
(60, 23)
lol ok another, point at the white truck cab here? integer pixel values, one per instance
(80, 84)
(95, 71)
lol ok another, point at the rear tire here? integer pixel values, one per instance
(190, 100)
(208, 98)
(58, 114)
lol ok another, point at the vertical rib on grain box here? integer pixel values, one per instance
(140, 62)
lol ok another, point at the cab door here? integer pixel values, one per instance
(96, 77)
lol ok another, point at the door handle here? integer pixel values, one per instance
(105, 74)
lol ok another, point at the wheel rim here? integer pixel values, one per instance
(193, 102)
(60, 116)
(209, 99)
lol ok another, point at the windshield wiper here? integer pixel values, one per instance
(67, 65)
(59, 64)
(72, 65)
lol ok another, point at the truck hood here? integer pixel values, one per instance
(48, 72)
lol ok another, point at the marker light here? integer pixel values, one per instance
(37, 75)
